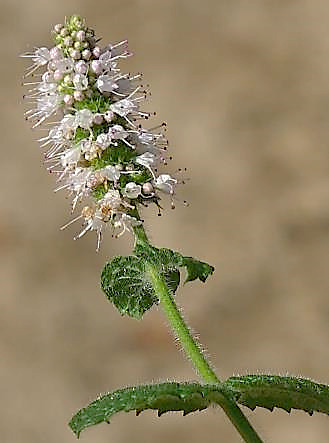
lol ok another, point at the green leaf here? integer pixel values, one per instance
(266, 391)
(127, 286)
(270, 391)
(124, 282)
(196, 269)
(163, 258)
(163, 397)
(172, 277)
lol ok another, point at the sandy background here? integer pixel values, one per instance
(243, 86)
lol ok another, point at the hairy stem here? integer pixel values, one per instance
(192, 349)
(197, 357)
(178, 324)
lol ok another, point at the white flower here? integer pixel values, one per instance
(48, 77)
(84, 118)
(69, 124)
(93, 222)
(89, 149)
(47, 87)
(111, 173)
(124, 107)
(132, 190)
(126, 223)
(40, 57)
(47, 105)
(118, 132)
(112, 198)
(106, 61)
(120, 49)
(108, 116)
(55, 136)
(146, 138)
(78, 179)
(71, 157)
(148, 159)
(105, 83)
(64, 65)
(165, 183)
(80, 82)
(125, 86)
(104, 140)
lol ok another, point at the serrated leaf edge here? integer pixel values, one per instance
(156, 397)
(273, 391)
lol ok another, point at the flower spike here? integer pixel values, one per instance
(96, 146)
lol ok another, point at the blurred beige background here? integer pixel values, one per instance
(243, 86)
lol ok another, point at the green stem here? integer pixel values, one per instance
(192, 349)
(195, 354)
(177, 323)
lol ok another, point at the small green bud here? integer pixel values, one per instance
(75, 23)
(64, 32)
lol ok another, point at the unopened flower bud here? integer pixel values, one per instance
(75, 54)
(64, 32)
(81, 67)
(78, 95)
(76, 22)
(48, 77)
(108, 116)
(86, 54)
(80, 36)
(68, 100)
(55, 53)
(58, 28)
(97, 51)
(68, 41)
(147, 188)
(98, 119)
(58, 75)
(67, 80)
(96, 66)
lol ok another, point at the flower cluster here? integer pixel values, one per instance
(97, 146)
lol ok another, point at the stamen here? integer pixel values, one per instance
(70, 222)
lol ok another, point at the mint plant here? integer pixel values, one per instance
(101, 153)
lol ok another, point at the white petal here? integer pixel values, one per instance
(132, 190)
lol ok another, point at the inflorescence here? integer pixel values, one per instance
(98, 149)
